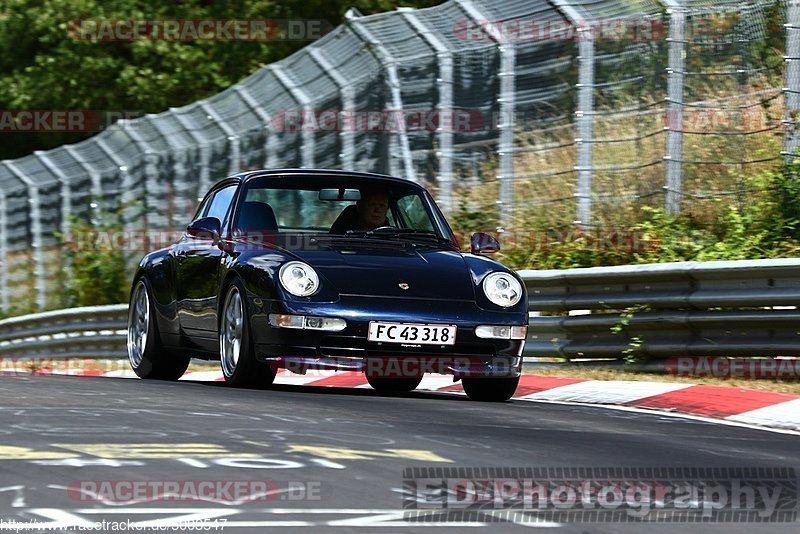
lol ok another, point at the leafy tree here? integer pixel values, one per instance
(43, 67)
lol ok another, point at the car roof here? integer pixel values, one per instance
(328, 173)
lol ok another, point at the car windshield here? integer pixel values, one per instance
(350, 209)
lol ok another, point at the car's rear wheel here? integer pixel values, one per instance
(237, 352)
(394, 385)
(147, 356)
(490, 389)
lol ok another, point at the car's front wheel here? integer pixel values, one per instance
(394, 385)
(237, 353)
(147, 356)
(490, 389)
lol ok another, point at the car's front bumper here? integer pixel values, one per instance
(302, 350)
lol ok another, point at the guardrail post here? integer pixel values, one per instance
(507, 123)
(674, 122)
(36, 234)
(390, 64)
(791, 92)
(235, 159)
(300, 96)
(4, 266)
(445, 107)
(250, 101)
(347, 154)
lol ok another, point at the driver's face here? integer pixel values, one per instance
(372, 209)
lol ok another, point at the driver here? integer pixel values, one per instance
(367, 214)
(372, 209)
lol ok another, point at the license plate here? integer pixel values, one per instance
(412, 334)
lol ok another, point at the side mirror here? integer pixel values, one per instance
(206, 228)
(481, 243)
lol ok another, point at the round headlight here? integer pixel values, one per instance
(502, 289)
(299, 279)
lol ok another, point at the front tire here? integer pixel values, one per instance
(147, 356)
(490, 389)
(237, 355)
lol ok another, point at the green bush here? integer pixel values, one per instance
(96, 273)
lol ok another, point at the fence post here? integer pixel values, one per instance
(66, 198)
(507, 101)
(97, 183)
(791, 92)
(674, 121)
(250, 101)
(445, 107)
(347, 155)
(180, 201)
(584, 114)
(390, 64)
(154, 192)
(36, 235)
(4, 266)
(204, 182)
(235, 159)
(65, 191)
(309, 143)
(131, 216)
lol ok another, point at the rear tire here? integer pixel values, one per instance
(394, 385)
(490, 389)
(237, 352)
(147, 356)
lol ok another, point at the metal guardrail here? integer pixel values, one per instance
(725, 308)
(93, 332)
(721, 308)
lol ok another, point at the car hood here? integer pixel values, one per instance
(429, 273)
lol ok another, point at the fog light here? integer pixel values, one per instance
(333, 324)
(501, 332)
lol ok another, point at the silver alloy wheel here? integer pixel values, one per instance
(138, 324)
(231, 332)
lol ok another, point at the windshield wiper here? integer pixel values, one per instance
(412, 233)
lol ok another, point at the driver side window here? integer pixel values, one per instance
(217, 204)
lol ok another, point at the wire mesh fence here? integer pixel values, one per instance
(531, 113)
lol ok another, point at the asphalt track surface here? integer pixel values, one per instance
(333, 458)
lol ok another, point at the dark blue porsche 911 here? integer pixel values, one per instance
(317, 269)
